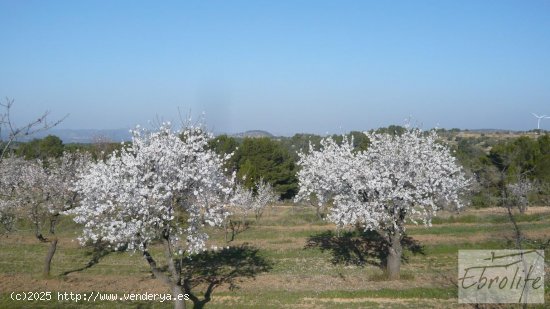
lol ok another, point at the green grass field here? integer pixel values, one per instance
(300, 277)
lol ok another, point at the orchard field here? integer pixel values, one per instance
(281, 154)
(306, 266)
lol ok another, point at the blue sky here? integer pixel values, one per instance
(282, 66)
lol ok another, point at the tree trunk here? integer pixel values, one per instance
(178, 295)
(49, 257)
(177, 289)
(318, 212)
(173, 284)
(395, 251)
(226, 231)
(198, 303)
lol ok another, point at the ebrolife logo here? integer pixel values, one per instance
(501, 276)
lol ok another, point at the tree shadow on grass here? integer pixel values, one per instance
(99, 251)
(210, 269)
(360, 247)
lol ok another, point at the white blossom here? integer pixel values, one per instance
(145, 191)
(325, 172)
(265, 195)
(242, 200)
(519, 193)
(246, 200)
(398, 178)
(10, 181)
(39, 189)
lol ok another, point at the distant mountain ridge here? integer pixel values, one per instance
(84, 136)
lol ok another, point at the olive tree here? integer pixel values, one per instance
(398, 179)
(166, 186)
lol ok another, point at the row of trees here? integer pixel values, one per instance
(485, 158)
(495, 165)
(52, 146)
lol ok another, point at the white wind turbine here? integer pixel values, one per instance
(539, 118)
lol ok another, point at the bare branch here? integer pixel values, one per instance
(14, 132)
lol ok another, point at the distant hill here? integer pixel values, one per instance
(253, 133)
(84, 135)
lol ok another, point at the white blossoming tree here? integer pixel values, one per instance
(240, 203)
(398, 179)
(166, 186)
(7, 216)
(519, 193)
(10, 181)
(61, 175)
(41, 191)
(245, 201)
(265, 195)
(320, 177)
